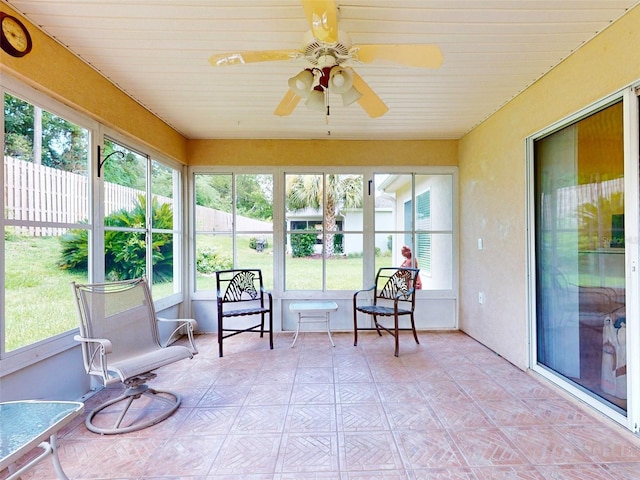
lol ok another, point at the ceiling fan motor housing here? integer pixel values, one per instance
(326, 54)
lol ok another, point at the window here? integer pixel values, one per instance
(308, 230)
(423, 224)
(324, 234)
(46, 185)
(141, 219)
(56, 231)
(416, 210)
(233, 225)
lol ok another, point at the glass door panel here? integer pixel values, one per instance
(580, 257)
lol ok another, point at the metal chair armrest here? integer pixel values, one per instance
(105, 348)
(189, 324)
(105, 344)
(364, 290)
(269, 296)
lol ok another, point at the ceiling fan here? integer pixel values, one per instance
(329, 52)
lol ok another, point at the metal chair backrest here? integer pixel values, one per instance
(121, 312)
(243, 287)
(395, 283)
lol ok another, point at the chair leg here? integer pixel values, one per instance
(262, 325)
(413, 327)
(220, 336)
(375, 321)
(155, 415)
(355, 326)
(271, 330)
(397, 339)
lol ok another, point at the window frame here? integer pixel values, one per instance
(39, 351)
(631, 131)
(179, 214)
(280, 225)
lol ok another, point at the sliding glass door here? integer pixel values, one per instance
(579, 206)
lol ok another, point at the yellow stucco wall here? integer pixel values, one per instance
(492, 183)
(323, 152)
(51, 68)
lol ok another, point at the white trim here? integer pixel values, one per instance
(632, 227)
(279, 172)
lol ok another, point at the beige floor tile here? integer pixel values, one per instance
(445, 409)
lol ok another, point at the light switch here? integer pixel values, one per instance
(479, 244)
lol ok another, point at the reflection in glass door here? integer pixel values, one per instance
(580, 256)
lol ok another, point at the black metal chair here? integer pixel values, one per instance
(241, 293)
(393, 296)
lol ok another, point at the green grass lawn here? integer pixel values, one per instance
(39, 300)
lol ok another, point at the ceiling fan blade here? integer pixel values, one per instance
(423, 56)
(323, 19)
(288, 103)
(369, 101)
(236, 58)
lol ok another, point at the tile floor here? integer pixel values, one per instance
(446, 409)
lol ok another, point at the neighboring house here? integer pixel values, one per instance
(433, 214)
(347, 220)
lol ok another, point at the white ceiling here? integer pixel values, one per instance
(158, 52)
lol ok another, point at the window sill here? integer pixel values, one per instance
(27, 356)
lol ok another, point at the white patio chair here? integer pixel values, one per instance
(121, 343)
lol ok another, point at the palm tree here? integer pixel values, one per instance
(343, 191)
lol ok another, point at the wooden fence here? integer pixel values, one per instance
(35, 193)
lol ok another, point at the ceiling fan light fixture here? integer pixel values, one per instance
(316, 100)
(340, 80)
(302, 83)
(350, 96)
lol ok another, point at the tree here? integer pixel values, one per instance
(343, 191)
(128, 171)
(18, 128)
(254, 194)
(64, 144)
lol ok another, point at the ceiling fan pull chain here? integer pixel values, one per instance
(326, 101)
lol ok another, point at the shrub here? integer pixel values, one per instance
(338, 243)
(209, 261)
(125, 252)
(302, 244)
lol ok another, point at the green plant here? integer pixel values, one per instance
(338, 240)
(125, 252)
(302, 244)
(208, 261)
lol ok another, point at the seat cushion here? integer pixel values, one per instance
(245, 311)
(149, 361)
(380, 310)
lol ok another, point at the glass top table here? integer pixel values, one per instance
(313, 312)
(28, 424)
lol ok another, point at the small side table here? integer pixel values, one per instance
(313, 312)
(33, 423)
